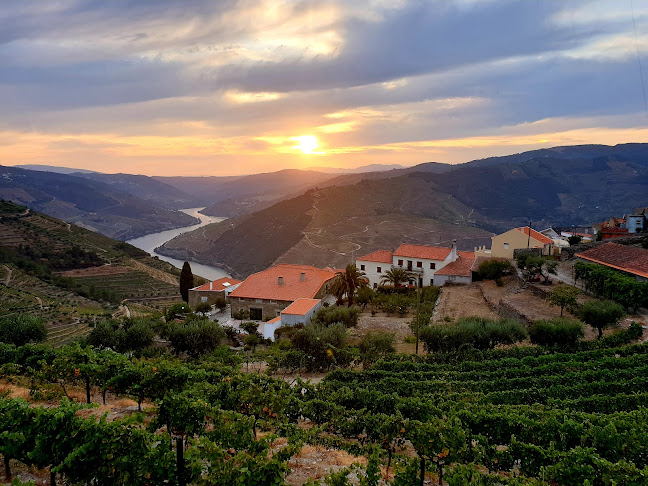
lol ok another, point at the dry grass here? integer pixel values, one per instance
(315, 462)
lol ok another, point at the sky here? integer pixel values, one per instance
(189, 87)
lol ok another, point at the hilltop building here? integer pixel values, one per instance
(209, 292)
(422, 261)
(504, 245)
(267, 293)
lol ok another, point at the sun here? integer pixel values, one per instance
(307, 144)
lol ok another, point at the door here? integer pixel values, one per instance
(256, 314)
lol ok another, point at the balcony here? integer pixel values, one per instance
(410, 269)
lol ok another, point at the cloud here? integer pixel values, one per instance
(227, 75)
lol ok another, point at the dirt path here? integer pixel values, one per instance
(462, 301)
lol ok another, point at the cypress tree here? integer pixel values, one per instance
(186, 281)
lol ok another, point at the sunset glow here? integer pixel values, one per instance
(246, 87)
(307, 144)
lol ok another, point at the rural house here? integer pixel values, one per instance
(422, 261)
(503, 246)
(299, 312)
(209, 292)
(265, 294)
(628, 259)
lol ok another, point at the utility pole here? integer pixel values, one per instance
(418, 302)
(529, 238)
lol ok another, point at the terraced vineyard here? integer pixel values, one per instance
(131, 284)
(53, 269)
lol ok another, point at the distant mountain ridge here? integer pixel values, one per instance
(88, 203)
(432, 204)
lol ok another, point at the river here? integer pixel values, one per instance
(151, 241)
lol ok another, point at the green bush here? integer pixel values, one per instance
(376, 346)
(194, 337)
(634, 332)
(180, 308)
(22, 329)
(322, 345)
(494, 268)
(477, 332)
(330, 315)
(560, 332)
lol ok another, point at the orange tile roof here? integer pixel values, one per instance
(300, 307)
(535, 235)
(419, 251)
(379, 256)
(265, 284)
(629, 259)
(462, 267)
(217, 285)
(272, 321)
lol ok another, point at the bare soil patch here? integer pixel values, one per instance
(314, 462)
(368, 324)
(462, 301)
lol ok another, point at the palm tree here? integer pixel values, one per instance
(348, 282)
(397, 277)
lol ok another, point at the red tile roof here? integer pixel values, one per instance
(380, 256)
(217, 285)
(300, 307)
(265, 284)
(535, 235)
(273, 321)
(419, 251)
(629, 259)
(461, 267)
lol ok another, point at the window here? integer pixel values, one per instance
(400, 263)
(362, 267)
(203, 299)
(419, 264)
(432, 266)
(506, 246)
(259, 301)
(375, 286)
(379, 269)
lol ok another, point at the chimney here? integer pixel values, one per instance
(280, 280)
(453, 253)
(211, 285)
(302, 276)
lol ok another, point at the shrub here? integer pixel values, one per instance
(194, 337)
(634, 332)
(330, 315)
(364, 296)
(202, 308)
(556, 332)
(22, 329)
(494, 268)
(177, 309)
(375, 346)
(477, 332)
(323, 346)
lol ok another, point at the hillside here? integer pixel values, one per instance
(92, 204)
(70, 275)
(468, 203)
(149, 189)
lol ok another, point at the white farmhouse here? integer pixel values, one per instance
(422, 261)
